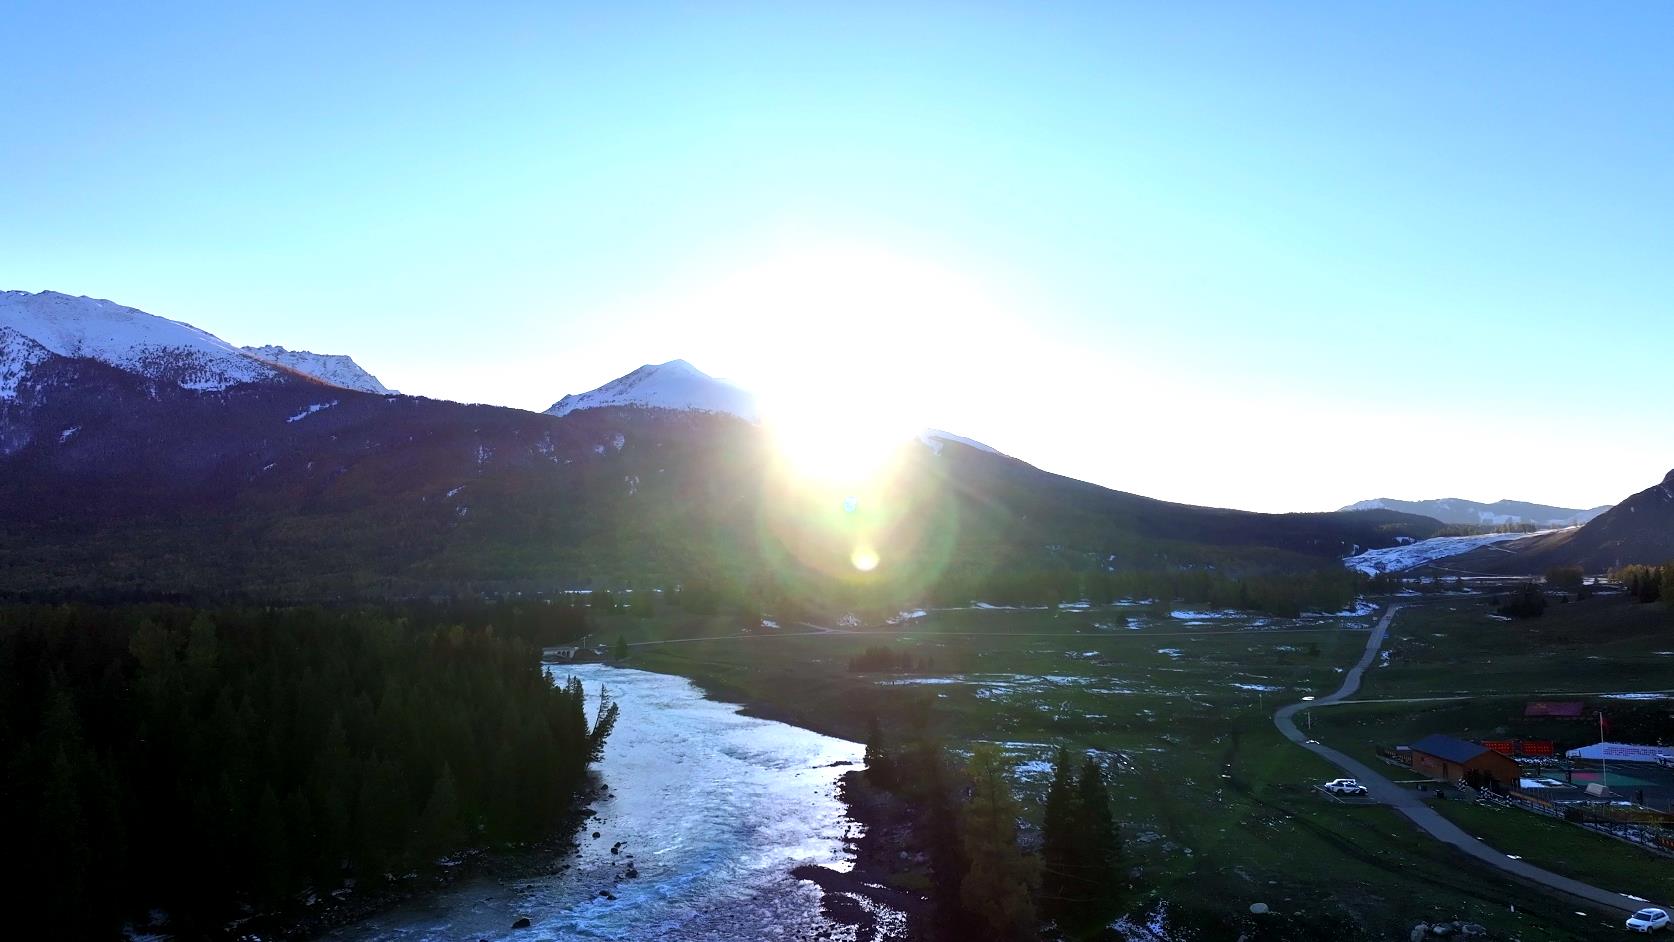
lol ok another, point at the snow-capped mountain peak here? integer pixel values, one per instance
(334, 368)
(935, 438)
(676, 385)
(126, 338)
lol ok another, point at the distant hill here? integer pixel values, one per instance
(1640, 529)
(1455, 510)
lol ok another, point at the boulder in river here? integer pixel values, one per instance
(521, 923)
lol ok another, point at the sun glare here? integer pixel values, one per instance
(864, 558)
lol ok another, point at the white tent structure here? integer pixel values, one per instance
(1622, 752)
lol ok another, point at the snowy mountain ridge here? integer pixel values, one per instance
(675, 385)
(679, 386)
(336, 369)
(1457, 510)
(34, 328)
(123, 337)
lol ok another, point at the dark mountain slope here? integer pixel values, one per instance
(1640, 529)
(296, 489)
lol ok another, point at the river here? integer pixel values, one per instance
(711, 807)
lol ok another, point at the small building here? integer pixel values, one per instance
(1450, 759)
(1624, 752)
(561, 653)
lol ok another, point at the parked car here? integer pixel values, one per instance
(1648, 920)
(1345, 786)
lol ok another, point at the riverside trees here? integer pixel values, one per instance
(162, 757)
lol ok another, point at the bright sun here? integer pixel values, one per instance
(851, 349)
(846, 345)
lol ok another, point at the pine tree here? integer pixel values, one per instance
(439, 828)
(1097, 850)
(1058, 843)
(621, 653)
(997, 887)
(269, 848)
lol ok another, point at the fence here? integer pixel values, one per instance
(1640, 827)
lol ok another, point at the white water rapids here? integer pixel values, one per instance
(712, 808)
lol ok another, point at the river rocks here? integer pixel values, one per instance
(616, 848)
(521, 923)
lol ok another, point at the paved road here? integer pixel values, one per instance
(1410, 804)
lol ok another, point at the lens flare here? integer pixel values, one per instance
(864, 558)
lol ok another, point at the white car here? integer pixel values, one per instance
(1648, 920)
(1345, 786)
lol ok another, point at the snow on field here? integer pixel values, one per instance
(903, 617)
(998, 686)
(1413, 555)
(1171, 652)
(1361, 608)
(1188, 614)
(1636, 696)
(1264, 688)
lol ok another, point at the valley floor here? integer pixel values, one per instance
(1218, 810)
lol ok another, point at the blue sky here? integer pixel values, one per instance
(1258, 255)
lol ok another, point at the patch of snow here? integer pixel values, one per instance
(1187, 614)
(935, 438)
(1264, 688)
(455, 491)
(1361, 608)
(68, 434)
(18, 355)
(1413, 555)
(316, 407)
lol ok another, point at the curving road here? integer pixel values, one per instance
(1409, 802)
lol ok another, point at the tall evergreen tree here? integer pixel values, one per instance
(1058, 841)
(1097, 852)
(998, 887)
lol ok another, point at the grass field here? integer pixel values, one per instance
(1217, 808)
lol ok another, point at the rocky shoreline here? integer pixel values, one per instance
(870, 897)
